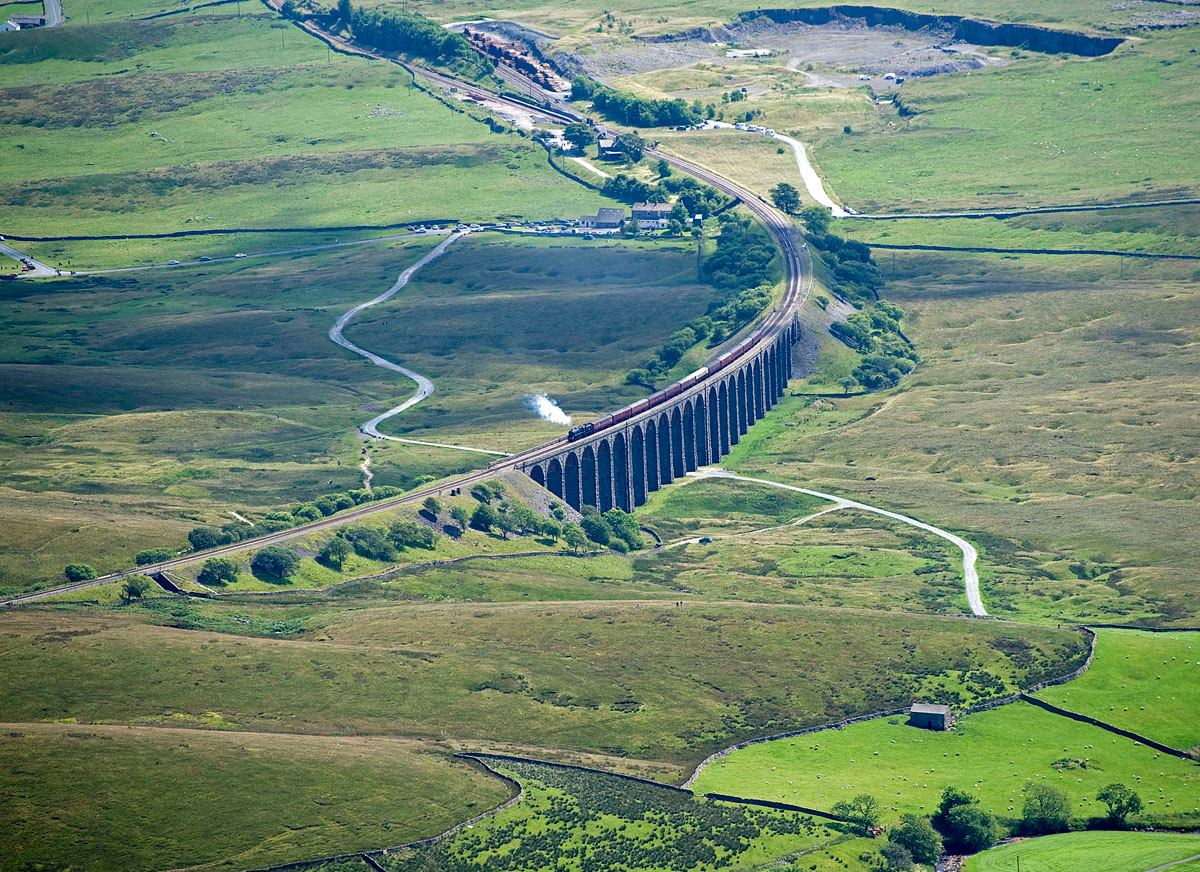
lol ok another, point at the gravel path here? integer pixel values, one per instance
(970, 555)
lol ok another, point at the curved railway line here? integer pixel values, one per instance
(778, 225)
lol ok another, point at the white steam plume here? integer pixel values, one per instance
(548, 410)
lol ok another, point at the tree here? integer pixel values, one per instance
(574, 537)
(334, 553)
(970, 829)
(918, 837)
(484, 518)
(78, 572)
(633, 146)
(786, 197)
(579, 135)
(370, 543)
(863, 810)
(460, 516)
(663, 168)
(274, 563)
(203, 538)
(1121, 802)
(816, 219)
(218, 571)
(345, 11)
(595, 528)
(965, 827)
(432, 507)
(153, 555)
(134, 588)
(1047, 809)
(410, 534)
(896, 857)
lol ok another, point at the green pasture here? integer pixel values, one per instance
(1097, 851)
(648, 681)
(991, 755)
(710, 506)
(1148, 683)
(207, 799)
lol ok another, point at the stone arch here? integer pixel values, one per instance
(554, 477)
(760, 400)
(620, 462)
(687, 422)
(733, 414)
(652, 466)
(539, 475)
(677, 452)
(637, 453)
(702, 433)
(604, 477)
(587, 477)
(721, 442)
(666, 437)
(743, 417)
(571, 481)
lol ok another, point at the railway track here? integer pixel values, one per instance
(775, 222)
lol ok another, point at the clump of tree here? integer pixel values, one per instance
(918, 838)
(856, 277)
(274, 564)
(741, 266)
(875, 333)
(153, 555)
(630, 109)
(407, 32)
(78, 572)
(218, 572)
(579, 135)
(691, 197)
(615, 528)
(1121, 801)
(1047, 809)
(135, 588)
(334, 553)
(965, 827)
(786, 198)
(863, 810)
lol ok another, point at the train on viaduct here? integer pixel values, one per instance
(623, 461)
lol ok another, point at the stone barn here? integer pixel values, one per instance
(930, 717)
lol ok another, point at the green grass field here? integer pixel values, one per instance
(206, 799)
(1144, 682)
(1097, 851)
(991, 754)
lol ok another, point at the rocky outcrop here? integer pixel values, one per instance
(972, 30)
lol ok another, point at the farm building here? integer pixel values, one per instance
(609, 148)
(652, 216)
(605, 219)
(930, 717)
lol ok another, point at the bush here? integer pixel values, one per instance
(1121, 801)
(1047, 809)
(307, 512)
(431, 508)
(965, 827)
(153, 555)
(896, 857)
(203, 538)
(274, 563)
(334, 553)
(135, 587)
(484, 518)
(78, 572)
(370, 543)
(410, 534)
(918, 837)
(218, 571)
(594, 527)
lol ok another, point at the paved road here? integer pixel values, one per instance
(40, 270)
(1174, 863)
(969, 554)
(53, 11)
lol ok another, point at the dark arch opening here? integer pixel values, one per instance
(687, 424)
(637, 455)
(652, 479)
(538, 475)
(587, 484)
(722, 419)
(554, 477)
(604, 483)
(572, 484)
(620, 461)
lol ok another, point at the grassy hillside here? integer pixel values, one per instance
(1144, 682)
(248, 799)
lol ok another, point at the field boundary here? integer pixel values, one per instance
(982, 249)
(1030, 210)
(1104, 725)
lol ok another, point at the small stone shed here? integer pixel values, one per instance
(930, 717)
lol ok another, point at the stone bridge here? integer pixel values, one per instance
(620, 465)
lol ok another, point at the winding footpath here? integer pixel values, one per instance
(969, 554)
(425, 387)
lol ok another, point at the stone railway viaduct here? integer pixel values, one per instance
(620, 465)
